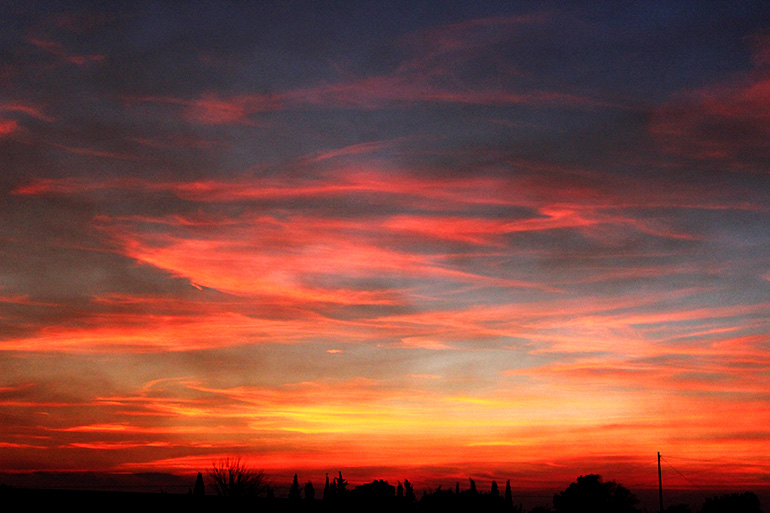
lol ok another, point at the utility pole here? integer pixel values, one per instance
(660, 486)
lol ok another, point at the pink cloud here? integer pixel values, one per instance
(99, 153)
(566, 201)
(57, 49)
(352, 150)
(213, 109)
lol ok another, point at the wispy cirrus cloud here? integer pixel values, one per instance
(432, 71)
(23, 109)
(367, 93)
(57, 50)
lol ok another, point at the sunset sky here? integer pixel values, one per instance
(513, 240)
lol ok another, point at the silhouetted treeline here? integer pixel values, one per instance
(588, 494)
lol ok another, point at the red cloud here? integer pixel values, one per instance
(726, 123)
(8, 126)
(26, 109)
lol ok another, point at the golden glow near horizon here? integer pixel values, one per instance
(445, 252)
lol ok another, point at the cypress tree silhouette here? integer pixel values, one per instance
(294, 493)
(508, 494)
(333, 490)
(494, 491)
(200, 488)
(327, 491)
(472, 489)
(400, 491)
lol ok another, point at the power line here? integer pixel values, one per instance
(684, 476)
(699, 460)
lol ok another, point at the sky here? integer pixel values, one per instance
(422, 240)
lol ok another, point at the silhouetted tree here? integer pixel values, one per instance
(408, 491)
(457, 488)
(590, 494)
(494, 492)
(439, 501)
(508, 494)
(232, 478)
(327, 491)
(472, 489)
(746, 502)
(378, 493)
(400, 491)
(200, 488)
(340, 484)
(309, 491)
(294, 493)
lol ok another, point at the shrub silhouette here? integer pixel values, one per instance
(376, 492)
(309, 491)
(591, 494)
(746, 502)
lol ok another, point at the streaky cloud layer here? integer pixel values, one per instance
(506, 241)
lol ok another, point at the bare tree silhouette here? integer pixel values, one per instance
(230, 477)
